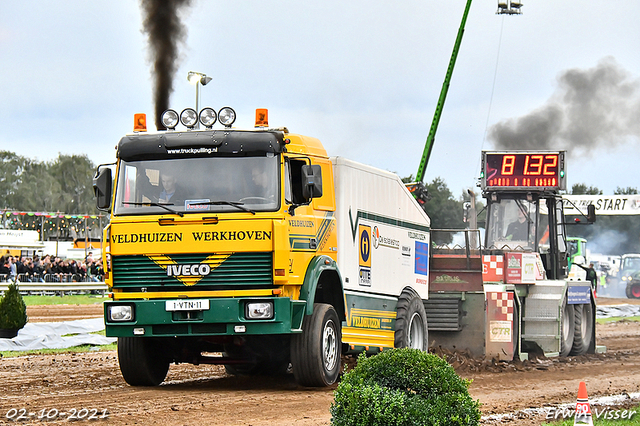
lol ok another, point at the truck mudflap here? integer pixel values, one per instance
(220, 316)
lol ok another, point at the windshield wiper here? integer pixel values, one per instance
(152, 204)
(224, 203)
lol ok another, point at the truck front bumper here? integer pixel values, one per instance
(224, 316)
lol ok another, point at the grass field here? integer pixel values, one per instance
(616, 319)
(78, 299)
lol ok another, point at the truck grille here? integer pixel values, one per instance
(248, 270)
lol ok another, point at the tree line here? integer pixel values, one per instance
(64, 184)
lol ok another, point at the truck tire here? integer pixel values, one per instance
(316, 352)
(141, 361)
(633, 290)
(411, 322)
(583, 329)
(567, 328)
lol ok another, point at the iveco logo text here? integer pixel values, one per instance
(182, 270)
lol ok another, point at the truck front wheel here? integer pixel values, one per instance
(141, 361)
(316, 352)
(411, 322)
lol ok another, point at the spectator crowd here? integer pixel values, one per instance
(50, 269)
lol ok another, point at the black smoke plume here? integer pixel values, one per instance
(162, 24)
(592, 108)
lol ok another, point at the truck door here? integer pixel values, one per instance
(303, 240)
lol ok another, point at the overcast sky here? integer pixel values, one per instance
(362, 76)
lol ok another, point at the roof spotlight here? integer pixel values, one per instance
(169, 119)
(189, 117)
(227, 116)
(208, 117)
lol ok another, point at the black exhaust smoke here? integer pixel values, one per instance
(592, 108)
(162, 24)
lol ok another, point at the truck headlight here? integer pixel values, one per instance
(227, 116)
(117, 313)
(208, 117)
(625, 278)
(170, 119)
(189, 117)
(259, 310)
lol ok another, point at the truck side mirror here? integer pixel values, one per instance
(311, 181)
(591, 213)
(102, 188)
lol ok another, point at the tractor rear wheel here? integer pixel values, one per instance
(411, 322)
(583, 329)
(633, 290)
(567, 328)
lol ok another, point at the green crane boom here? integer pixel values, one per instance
(443, 96)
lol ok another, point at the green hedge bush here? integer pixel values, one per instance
(13, 311)
(403, 387)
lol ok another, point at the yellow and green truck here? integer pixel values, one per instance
(256, 250)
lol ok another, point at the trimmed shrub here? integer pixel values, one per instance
(403, 387)
(13, 311)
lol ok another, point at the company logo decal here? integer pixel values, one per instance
(371, 318)
(444, 278)
(417, 236)
(232, 236)
(364, 249)
(310, 241)
(189, 274)
(186, 270)
(514, 262)
(148, 237)
(422, 258)
(378, 240)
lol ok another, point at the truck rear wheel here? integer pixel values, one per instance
(583, 329)
(411, 322)
(316, 352)
(141, 361)
(567, 328)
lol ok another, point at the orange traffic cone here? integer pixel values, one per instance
(583, 409)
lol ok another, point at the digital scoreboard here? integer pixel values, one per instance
(523, 170)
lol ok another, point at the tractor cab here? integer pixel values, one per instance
(523, 198)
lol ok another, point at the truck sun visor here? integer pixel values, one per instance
(199, 144)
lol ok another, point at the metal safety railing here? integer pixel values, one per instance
(54, 286)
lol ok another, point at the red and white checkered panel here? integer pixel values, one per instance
(503, 302)
(492, 268)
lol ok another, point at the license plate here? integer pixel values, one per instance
(187, 305)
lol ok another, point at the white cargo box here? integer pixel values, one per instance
(383, 233)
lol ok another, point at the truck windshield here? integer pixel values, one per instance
(194, 185)
(512, 224)
(631, 264)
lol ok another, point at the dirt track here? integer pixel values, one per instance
(194, 395)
